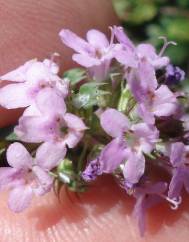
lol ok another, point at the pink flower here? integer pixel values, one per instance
(53, 123)
(130, 55)
(161, 102)
(28, 175)
(29, 80)
(95, 54)
(153, 100)
(127, 148)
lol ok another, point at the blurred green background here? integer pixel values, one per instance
(146, 20)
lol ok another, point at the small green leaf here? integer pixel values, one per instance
(75, 75)
(11, 137)
(89, 95)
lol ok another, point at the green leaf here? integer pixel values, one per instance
(11, 137)
(75, 75)
(89, 95)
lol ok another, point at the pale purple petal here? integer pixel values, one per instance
(147, 136)
(147, 197)
(126, 57)
(63, 86)
(20, 198)
(31, 111)
(177, 154)
(147, 76)
(74, 41)
(122, 37)
(134, 82)
(161, 62)
(139, 213)
(37, 72)
(7, 176)
(112, 155)
(165, 102)
(19, 74)
(142, 80)
(50, 154)
(18, 156)
(97, 39)
(114, 122)
(44, 180)
(51, 65)
(14, 96)
(177, 182)
(165, 109)
(145, 114)
(72, 138)
(164, 94)
(86, 60)
(146, 50)
(74, 122)
(35, 129)
(134, 168)
(47, 100)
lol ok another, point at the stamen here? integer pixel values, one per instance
(112, 36)
(165, 45)
(174, 202)
(54, 57)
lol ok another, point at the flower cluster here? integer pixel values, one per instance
(122, 113)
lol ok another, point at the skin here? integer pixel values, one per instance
(103, 214)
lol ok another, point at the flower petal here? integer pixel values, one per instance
(20, 198)
(35, 129)
(114, 122)
(48, 99)
(177, 154)
(134, 168)
(122, 37)
(147, 76)
(97, 39)
(18, 156)
(51, 65)
(86, 60)
(146, 135)
(14, 96)
(49, 154)
(161, 62)
(7, 176)
(74, 122)
(177, 182)
(165, 102)
(145, 114)
(18, 75)
(139, 213)
(126, 57)
(74, 41)
(72, 138)
(146, 50)
(45, 181)
(112, 155)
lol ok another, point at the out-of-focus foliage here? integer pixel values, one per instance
(148, 19)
